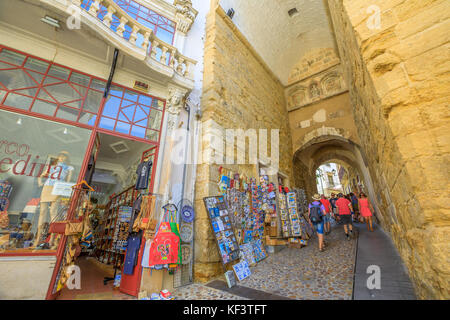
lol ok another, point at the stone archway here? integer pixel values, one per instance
(325, 148)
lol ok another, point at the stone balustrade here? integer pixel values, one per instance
(136, 34)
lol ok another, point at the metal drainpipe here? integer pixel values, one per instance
(105, 95)
(111, 74)
(188, 109)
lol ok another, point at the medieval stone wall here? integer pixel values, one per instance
(398, 76)
(239, 92)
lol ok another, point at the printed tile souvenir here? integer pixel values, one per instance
(258, 250)
(246, 253)
(215, 226)
(231, 280)
(242, 270)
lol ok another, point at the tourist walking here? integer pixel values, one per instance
(327, 217)
(354, 200)
(344, 207)
(333, 200)
(316, 212)
(366, 210)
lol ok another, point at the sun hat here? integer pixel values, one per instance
(316, 197)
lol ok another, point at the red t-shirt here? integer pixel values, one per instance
(342, 205)
(326, 204)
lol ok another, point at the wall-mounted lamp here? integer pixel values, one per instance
(65, 131)
(51, 21)
(19, 121)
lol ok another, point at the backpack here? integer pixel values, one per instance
(315, 214)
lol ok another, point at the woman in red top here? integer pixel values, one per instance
(366, 209)
(344, 206)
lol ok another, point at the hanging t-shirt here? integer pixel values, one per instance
(143, 171)
(133, 245)
(342, 205)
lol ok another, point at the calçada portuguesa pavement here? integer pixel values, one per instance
(338, 273)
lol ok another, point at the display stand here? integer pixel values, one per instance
(223, 230)
(108, 251)
(284, 218)
(295, 229)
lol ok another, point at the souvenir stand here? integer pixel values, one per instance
(292, 226)
(112, 232)
(238, 221)
(302, 206)
(223, 230)
(248, 209)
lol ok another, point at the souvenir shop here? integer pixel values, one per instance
(78, 160)
(251, 217)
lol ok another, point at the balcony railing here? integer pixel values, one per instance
(136, 34)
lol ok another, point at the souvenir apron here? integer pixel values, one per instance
(165, 248)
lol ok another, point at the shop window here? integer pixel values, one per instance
(331, 180)
(39, 161)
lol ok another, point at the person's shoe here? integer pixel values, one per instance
(348, 236)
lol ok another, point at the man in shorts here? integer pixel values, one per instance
(333, 200)
(327, 217)
(344, 208)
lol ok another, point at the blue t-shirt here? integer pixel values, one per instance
(333, 202)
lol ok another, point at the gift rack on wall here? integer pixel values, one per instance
(113, 232)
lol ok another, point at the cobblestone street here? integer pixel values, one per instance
(301, 274)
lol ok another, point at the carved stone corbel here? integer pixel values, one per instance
(185, 15)
(176, 100)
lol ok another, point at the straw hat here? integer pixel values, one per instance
(316, 197)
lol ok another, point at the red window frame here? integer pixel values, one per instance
(42, 87)
(94, 130)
